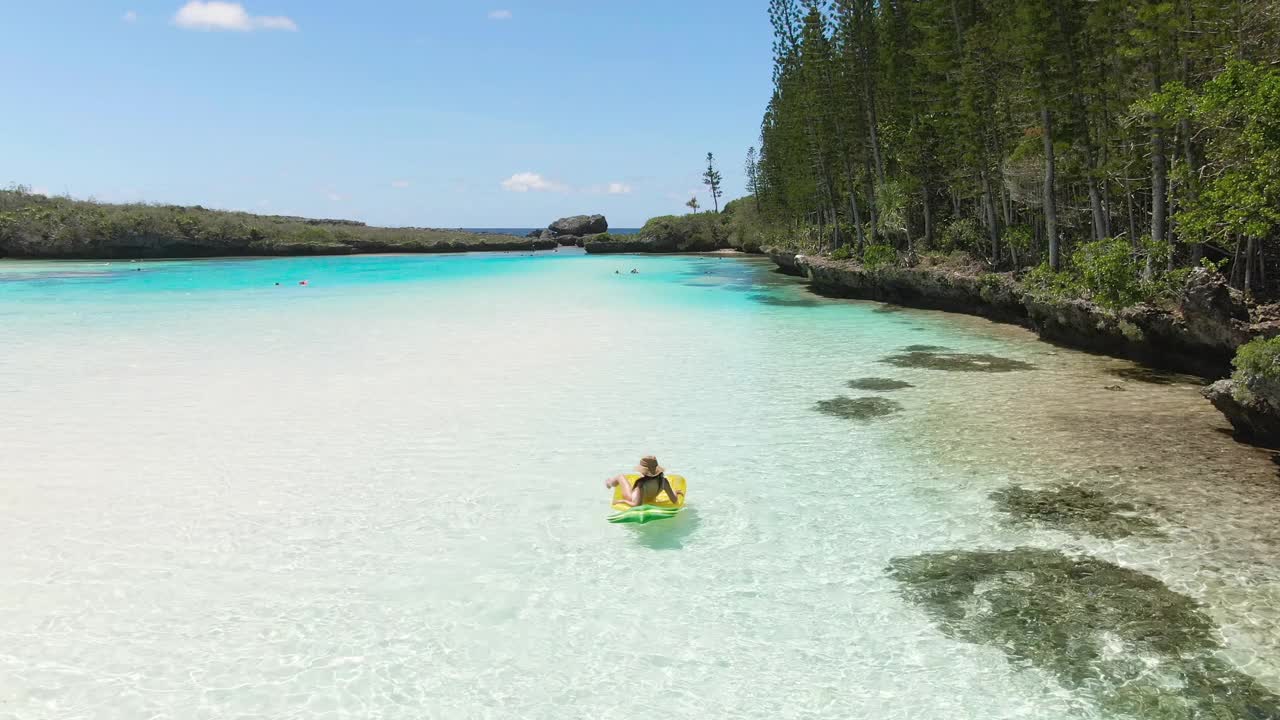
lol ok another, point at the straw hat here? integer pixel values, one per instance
(649, 466)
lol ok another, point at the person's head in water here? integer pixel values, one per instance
(649, 466)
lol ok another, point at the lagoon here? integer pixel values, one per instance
(380, 494)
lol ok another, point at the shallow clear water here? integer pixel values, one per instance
(380, 494)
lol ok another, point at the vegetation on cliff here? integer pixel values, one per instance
(57, 227)
(1257, 372)
(1111, 145)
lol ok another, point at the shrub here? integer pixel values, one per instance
(1257, 374)
(963, 234)
(841, 253)
(700, 231)
(1108, 271)
(40, 226)
(1041, 280)
(876, 256)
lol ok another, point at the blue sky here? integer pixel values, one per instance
(446, 113)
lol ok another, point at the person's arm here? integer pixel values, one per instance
(671, 492)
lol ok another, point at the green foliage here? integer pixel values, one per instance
(1257, 374)
(1241, 106)
(841, 253)
(39, 226)
(1018, 237)
(877, 256)
(1111, 273)
(1042, 280)
(962, 234)
(1215, 266)
(713, 180)
(746, 227)
(898, 116)
(697, 232)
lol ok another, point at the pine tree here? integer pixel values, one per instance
(751, 169)
(712, 179)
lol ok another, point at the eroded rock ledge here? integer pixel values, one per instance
(1199, 336)
(1255, 420)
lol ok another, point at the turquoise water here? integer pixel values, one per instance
(380, 494)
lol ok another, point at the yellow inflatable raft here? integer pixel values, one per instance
(660, 509)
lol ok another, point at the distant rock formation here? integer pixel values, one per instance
(700, 232)
(579, 226)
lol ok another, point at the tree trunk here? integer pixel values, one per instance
(1050, 204)
(875, 139)
(1133, 220)
(1095, 204)
(1007, 203)
(874, 211)
(1248, 267)
(1235, 265)
(1262, 266)
(928, 217)
(857, 215)
(1106, 210)
(993, 231)
(1159, 189)
(1193, 178)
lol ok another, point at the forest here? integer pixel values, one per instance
(1101, 148)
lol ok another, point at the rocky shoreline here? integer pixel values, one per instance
(1199, 336)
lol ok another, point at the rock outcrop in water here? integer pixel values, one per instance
(702, 232)
(579, 225)
(1200, 335)
(1254, 418)
(575, 230)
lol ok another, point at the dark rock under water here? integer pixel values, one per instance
(863, 408)
(1123, 638)
(957, 362)
(879, 384)
(1075, 509)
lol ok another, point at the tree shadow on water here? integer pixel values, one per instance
(776, 301)
(671, 534)
(1153, 376)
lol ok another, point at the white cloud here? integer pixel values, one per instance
(335, 197)
(217, 15)
(526, 181)
(613, 188)
(41, 191)
(499, 14)
(130, 16)
(400, 184)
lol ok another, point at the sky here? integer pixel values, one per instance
(436, 113)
